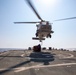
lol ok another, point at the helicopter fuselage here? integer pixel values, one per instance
(43, 30)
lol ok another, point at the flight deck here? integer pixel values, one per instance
(47, 62)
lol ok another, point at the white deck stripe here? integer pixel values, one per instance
(19, 69)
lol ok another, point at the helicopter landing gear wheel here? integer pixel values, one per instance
(36, 34)
(50, 36)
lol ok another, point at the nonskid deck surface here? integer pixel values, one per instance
(54, 62)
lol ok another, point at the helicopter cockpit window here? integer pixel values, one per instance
(44, 23)
(38, 27)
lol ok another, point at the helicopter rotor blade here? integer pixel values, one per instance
(33, 8)
(25, 22)
(66, 19)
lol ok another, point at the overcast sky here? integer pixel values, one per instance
(20, 35)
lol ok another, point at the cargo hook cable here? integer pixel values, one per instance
(41, 43)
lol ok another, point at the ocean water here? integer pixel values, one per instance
(6, 49)
(72, 49)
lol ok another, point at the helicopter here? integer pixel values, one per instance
(44, 28)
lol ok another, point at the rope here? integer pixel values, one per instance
(41, 43)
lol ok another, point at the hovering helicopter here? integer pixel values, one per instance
(44, 28)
